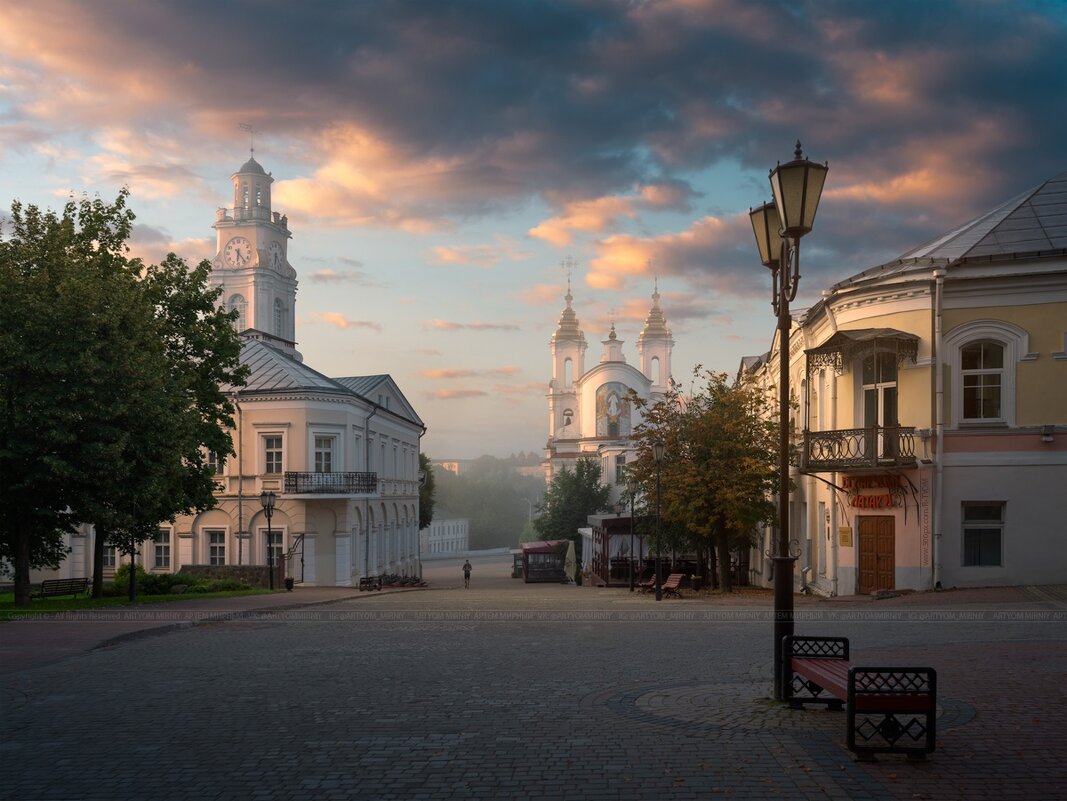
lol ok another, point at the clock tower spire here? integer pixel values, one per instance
(251, 260)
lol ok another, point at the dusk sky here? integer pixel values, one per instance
(439, 160)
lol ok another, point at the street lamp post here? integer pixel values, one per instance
(267, 500)
(658, 449)
(778, 226)
(631, 490)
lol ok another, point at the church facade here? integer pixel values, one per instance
(340, 454)
(590, 412)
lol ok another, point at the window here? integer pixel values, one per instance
(238, 302)
(109, 555)
(983, 355)
(324, 454)
(272, 454)
(620, 469)
(216, 546)
(214, 463)
(161, 547)
(275, 546)
(279, 318)
(983, 531)
(982, 374)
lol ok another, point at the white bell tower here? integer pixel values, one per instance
(568, 365)
(251, 261)
(654, 345)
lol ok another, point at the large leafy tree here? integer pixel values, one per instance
(110, 380)
(720, 467)
(571, 497)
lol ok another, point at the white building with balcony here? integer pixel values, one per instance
(340, 454)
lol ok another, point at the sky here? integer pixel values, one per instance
(447, 165)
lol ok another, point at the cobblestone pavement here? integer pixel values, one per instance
(513, 691)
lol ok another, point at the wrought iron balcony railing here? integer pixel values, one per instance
(857, 448)
(331, 483)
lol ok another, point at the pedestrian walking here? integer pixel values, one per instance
(467, 574)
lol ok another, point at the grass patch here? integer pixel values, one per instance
(9, 611)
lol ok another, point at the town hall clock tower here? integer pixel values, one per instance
(251, 262)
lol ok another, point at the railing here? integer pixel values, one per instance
(855, 448)
(331, 483)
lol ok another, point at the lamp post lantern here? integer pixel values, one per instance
(267, 500)
(631, 490)
(778, 226)
(658, 449)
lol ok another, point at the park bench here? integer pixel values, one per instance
(673, 584)
(53, 588)
(370, 583)
(891, 710)
(670, 585)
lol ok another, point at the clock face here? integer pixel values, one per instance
(238, 251)
(275, 255)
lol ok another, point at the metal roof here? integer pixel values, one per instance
(271, 370)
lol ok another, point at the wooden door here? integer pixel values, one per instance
(877, 544)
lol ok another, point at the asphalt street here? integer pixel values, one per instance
(514, 691)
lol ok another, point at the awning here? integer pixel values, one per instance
(839, 351)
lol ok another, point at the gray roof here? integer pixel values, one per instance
(1029, 225)
(252, 166)
(271, 370)
(1033, 222)
(362, 384)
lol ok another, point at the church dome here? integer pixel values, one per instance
(655, 323)
(568, 321)
(252, 166)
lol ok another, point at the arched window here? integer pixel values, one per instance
(279, 318)
(238, 302)
(654, 368)
(568, 372)
(982, 355)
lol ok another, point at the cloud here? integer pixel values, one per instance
(543, 294)
(338, 320)
(330, 276)
(602, 214)
(445, 325)
(444, 373)
(457, 394)
(484, 256)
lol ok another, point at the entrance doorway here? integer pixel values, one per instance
(877, 543)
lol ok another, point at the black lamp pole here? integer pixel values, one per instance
(267, 500)
(658, 449)
(631, 489)
(797, 187)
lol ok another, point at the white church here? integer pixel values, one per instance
(590, 414)
(340, 455)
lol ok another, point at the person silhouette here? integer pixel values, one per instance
(467, 574)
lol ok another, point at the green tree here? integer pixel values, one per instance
(572, 496)
(427, 491)
(110, 377)
(720, 467)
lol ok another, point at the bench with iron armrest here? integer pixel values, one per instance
(370, 583)
(891, 710)
(53, 588)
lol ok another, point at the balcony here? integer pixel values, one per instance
(330, 483)
(858, 449)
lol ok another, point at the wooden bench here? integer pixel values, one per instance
(53, 588)
(670, 585)
(673, 584)
(891, 710)
(370, 583)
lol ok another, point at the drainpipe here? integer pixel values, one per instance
(240, 483)
(939, 421)
(366, 502)
(835, 520)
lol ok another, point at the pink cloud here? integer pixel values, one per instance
(457, 394)
(338, 320)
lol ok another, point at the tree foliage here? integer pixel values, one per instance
(427, 490)
(110, 379)
(720, 466)
(572, 496)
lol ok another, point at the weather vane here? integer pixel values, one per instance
(244, 126)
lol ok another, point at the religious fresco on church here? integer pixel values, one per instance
(613, 410)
